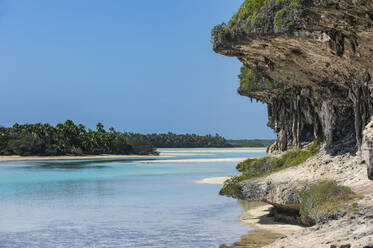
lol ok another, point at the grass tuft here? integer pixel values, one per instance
(324, 200)
(259, 167)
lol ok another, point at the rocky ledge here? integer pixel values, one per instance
(310, 61)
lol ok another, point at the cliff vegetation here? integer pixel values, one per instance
(323, 201)
(310, 62)
(260, 167)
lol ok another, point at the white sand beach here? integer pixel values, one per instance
(213, 180)
(256, 216)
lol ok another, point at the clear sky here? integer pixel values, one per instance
(139, 66)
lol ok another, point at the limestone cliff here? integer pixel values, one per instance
(318, 56)
(311, 62)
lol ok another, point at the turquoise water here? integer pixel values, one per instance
(137, 203)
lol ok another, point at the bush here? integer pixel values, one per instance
(250, 16)
(250, 11)
(259, 167)
(231, 187)
(218, 33)
(324, 200)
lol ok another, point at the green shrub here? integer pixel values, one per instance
(218, 32)
(324, 200)
(280, 18)
(250, 15)
(231, 187)
(259, 167)
(252, 81)
(250, 11)
(293, 3)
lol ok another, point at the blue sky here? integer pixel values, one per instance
(139, 66)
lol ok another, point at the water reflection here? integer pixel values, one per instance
(79, 164)
(247, 205)
(254, 238)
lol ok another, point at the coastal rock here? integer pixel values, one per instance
(367, 148)
(283, 189)
(310, 61)
(353, 230)
(355, 227)
(317, 57)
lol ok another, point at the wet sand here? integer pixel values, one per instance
(256, 216)
(266, 229)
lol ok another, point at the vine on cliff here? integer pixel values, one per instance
(250, 81)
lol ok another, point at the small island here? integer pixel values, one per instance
(70, 139)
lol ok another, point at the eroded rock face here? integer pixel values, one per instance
(321, 52)
(367, 148)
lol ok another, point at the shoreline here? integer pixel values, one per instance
(266, 230)
(200, 160)
(256, 216)
(213, 180)
(164, 153)
(348, 171)
(14, 158)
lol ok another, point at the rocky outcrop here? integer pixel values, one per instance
(367, 148)
(320, 53)
(310, 61)
(282, 190)
(354, 230)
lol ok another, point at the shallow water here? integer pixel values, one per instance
(138, 203)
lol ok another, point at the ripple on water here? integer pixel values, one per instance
(117, 204)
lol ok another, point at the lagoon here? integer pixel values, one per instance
(121, 203)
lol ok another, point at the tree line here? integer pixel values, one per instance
(251, 142)
(171, 140)
(72, 139)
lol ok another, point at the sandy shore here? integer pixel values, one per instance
(173, 154)
(213, 150)
(256, 216)
(256, 213)
(213, 180)
(266, 229)
(199, 160)
(88, 157)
